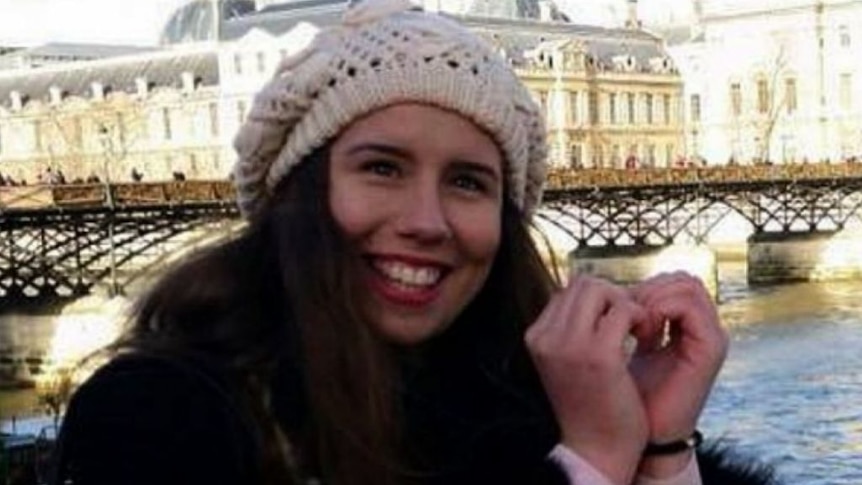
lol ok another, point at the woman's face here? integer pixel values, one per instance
(418, 190)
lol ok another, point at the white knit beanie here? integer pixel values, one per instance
(386, 52)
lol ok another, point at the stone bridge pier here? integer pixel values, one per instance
(629, 265)
(779, 257)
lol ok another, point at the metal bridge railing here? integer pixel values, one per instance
(115, 194)
(562, 179)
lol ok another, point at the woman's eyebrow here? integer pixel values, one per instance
(471, 166)
(379, 147)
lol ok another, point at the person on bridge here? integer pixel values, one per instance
(385, 317)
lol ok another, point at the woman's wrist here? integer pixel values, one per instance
(618, 465)
(669, 458)
(665, 466)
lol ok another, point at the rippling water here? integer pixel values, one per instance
(791, 390)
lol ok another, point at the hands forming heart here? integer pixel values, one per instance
(609, 403)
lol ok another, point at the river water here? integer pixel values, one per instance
(791, 390)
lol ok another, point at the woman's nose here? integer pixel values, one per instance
(423, 217)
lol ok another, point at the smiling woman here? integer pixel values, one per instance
(418, 192)
(385, 318)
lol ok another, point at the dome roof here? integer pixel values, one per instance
(196, 21)
(509, 9)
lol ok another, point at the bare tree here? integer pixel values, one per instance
(84, 137)
(771, 103)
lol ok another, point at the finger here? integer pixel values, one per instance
(568, 301)
(686, 288)
(693, 325)
(651, 332)
(596, 299)
(664, 283)
(619, 322)
(545, 320)
(574, 320)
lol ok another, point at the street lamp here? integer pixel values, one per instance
(108, 148)
(784, 139)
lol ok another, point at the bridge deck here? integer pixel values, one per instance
(52, 197)
(570, 179)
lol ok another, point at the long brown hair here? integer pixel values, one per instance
(286, 289)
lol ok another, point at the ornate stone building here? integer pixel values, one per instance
(773, 80)
(612, 96)
(156, 112)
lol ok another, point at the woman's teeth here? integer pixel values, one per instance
(409, 275)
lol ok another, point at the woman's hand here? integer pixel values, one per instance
(577, 345)
(678, 357)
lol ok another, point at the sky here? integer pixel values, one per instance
(138, 22)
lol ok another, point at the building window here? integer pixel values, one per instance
(616, 156)
(594, 107)
(762, 96)
(574, 107)
(121, 128)
(542, 99)
(237, 63)
(736, 99)
(261, 62)
(77, 132)
(598, 157)
(37, 135)
(167, 132)
(846, 92)
(576, 156)
(666, 113)
(651, 156)
(612, 107)
(213, 111)
(630, 102)
(649, 108)
(844, 36)
(695, 108)
(790, 94)
(668, 156)
(241, 111)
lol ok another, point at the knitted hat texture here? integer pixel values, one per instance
(386, 52)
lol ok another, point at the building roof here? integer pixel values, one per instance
(513, 35)
(523, 9)
(278, 19)
(81, 51)
(162, 68)
(197, 21)
(516, 37)
(678, 34)
(6, 49)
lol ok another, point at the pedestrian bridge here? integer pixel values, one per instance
(65, 241)
(658, 207)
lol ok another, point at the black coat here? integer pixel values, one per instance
(152, 420)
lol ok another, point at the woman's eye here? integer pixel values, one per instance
(469, 183)
(381, 167)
